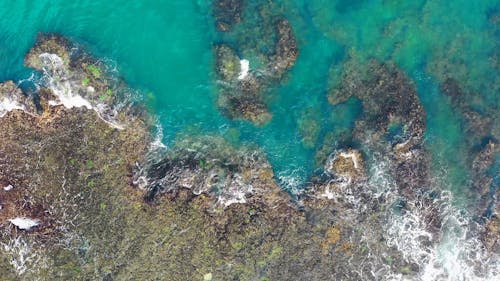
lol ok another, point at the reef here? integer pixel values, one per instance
(87, 195)
(243, 88)
(480, 125)
(390, 103)
(82, 197)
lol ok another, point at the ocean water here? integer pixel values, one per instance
(164, 49)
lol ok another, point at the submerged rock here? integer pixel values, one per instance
(227, 13)
(389, 99)
(286, 49)
(243, 91)
(480, 126)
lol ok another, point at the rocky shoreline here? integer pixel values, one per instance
(96, 202)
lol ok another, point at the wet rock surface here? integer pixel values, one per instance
(210, 165)
(76, 79)
(12, 98)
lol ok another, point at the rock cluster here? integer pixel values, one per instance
(389, 99)
(243, 89)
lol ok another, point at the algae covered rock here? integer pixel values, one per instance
(78, 80)
(227, 13)
(209, 165)
(228, 63)
(286, 49)
(46, 45)
(389, 100)
(271, 45)
(240, 93)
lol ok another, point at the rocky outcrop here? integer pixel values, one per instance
(240, 94)
(286, 49)
(12, 98)
(346, 164)
(78, 80)
(389, 100)
(211, 166)
(244, 89)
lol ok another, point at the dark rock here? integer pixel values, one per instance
(228, 13)
(286, 49)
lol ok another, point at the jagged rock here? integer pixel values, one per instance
(211, 166)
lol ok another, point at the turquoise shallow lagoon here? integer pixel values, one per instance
(164, 49)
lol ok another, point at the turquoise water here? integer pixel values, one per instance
(164, 49)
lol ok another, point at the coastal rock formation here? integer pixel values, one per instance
(240, 92)
(389, 101)
(211, 166)
(243, 89)
(286, 49)
(83, 199)
(79, 199)
(78, 80)
(346, 164)
(482, 134)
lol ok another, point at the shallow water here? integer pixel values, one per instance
(164, 49)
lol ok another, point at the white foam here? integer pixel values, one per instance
(328, 193)
(8, 104)
(70, 101)
(63, 86)
(244, 69)
(25, 223)
(20, 254)
(59, 83)
(8, 187)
